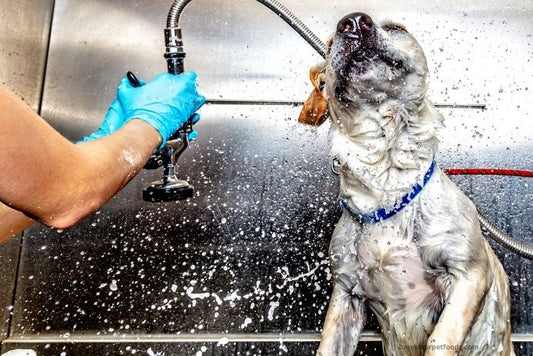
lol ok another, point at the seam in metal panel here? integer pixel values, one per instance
(300, 103)
(39, 106)
(46, 57)
(367, 336)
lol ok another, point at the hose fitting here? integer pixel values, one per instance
(173, 40)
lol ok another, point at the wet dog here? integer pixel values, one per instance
(408, 244)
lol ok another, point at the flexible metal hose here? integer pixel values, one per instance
(173, 21)
(505, 240)
(174, 14)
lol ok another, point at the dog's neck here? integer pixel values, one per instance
(383, 150)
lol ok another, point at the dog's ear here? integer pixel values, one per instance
(315, 109)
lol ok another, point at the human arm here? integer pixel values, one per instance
(46, 204)
(57, 182)
(12, 222)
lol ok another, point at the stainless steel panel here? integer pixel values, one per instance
(478, 52)
(221, 262)
(24, 32)
(265, 203)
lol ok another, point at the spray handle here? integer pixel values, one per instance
(134, 81)
(155, 160)
(175, 65)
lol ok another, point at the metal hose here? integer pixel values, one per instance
(174, 14)
(173, 22)
(505, 240)
(174, 18)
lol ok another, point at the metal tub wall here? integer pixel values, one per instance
(242, 267)
(24, 37)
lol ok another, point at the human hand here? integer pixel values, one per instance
(165, 103)
(113, 120)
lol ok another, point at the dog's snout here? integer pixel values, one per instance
(357, 24)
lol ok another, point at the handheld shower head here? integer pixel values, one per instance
(169, 187)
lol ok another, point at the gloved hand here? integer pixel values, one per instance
(165, 103)
(113, 120)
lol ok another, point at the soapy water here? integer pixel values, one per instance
(274, 292)
(150, 352)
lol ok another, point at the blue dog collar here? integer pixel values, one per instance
(383, 214)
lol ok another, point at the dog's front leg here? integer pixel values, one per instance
(462, 305)
(344, 321)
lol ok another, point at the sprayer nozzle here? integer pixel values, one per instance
(161, 192)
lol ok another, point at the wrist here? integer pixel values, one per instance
(149, 134)
(163, 126)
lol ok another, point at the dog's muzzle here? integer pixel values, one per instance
(358, 27)
(356, 37)
(353, 48)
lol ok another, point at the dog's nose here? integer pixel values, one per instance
(357, 24)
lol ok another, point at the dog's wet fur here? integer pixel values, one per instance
(427, 272)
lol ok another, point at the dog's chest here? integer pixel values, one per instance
(383, 266)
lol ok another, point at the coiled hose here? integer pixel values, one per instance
(173, 21)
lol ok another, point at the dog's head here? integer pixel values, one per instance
(366, 64)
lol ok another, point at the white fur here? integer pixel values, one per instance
(427, 273)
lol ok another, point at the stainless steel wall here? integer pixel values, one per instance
(247, 255)
(24, 39)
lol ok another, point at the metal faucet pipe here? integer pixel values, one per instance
(175, 47)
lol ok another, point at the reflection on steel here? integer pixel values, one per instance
(462, 106)
(174, 18)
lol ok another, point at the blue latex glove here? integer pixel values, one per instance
(113, 120)
(165, 103)
(193, 134)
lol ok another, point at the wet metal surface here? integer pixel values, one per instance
(24, 38)
(9, 256)
(248, 254)
(205, 349)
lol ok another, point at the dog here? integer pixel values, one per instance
(408, 244)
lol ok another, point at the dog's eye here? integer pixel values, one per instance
(393, 27)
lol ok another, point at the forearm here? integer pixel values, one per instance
(84, 178)
(104, 167)
(55, 181)
(12, 222)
